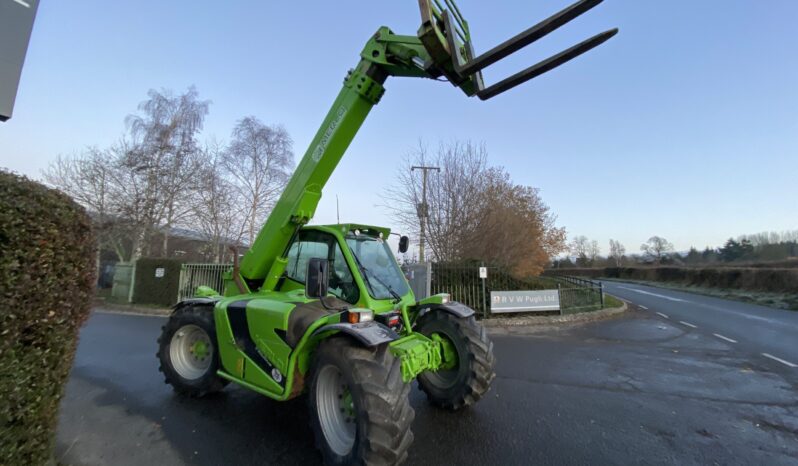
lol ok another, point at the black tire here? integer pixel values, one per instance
(381, 408)
(207, 381)
(465, 384)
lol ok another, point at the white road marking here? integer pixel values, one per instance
(643, 307)
(23, 3)
(687, 324)
(669, 298)
(724, 338)
(786, 363)
(662, 315)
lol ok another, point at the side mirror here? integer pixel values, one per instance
(317, 279)
(404, 242)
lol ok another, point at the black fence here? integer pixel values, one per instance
(462, 282)
(578, 294)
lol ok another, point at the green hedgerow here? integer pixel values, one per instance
(47, 276)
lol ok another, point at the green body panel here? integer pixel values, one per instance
(205, 292)
(265, 312)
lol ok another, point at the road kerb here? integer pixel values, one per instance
(499, 323)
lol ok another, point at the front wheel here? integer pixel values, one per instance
(360, 412)
(188, 353)
(467, 369)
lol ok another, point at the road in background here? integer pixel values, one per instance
(630, 390)
(767, 332)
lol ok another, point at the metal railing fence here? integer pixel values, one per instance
(579, 293)
(462, 282)
(194, 275)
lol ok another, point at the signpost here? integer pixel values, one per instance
(483, 274)
(524, 301)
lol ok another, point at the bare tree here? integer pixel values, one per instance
(162, 160)
(87, 178)
(259, 160)
(143, 182)
(578, 247)
(593, 251)
(216, 213)
(585, 250)
(656, 248)
(454, 196)
(474, 211)
(617, 251)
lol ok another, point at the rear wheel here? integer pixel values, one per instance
(467, 369)
(188, 353)
(360, 412)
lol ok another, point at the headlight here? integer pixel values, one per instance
(359, 315)
(445, 299)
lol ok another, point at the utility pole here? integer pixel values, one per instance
(422, 209)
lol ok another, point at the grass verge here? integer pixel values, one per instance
(611, 301)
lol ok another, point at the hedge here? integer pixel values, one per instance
(157, 281)
(47, 276)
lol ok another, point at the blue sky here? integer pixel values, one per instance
(685, 125)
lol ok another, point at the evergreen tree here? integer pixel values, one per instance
(693, 256)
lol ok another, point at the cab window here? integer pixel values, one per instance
(315, 244)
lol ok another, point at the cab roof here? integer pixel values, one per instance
(345, 228)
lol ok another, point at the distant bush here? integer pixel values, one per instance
(779, 280)
(47, 261)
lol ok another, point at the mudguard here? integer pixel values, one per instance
(452, 307)
(201, 301)
(369, 334)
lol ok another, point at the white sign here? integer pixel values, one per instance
(483, 272)
(524, 301)
(160, 272)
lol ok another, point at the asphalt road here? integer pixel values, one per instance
(635, 389)
(760, 331)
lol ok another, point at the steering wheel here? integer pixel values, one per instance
(348, 289)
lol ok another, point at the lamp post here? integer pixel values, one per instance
(422, 209)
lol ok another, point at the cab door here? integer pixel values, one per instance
(318, 244)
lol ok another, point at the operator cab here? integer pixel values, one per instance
(362, 268)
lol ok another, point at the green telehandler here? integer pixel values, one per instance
(326, 310)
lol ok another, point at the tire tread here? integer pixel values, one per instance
(480, 357)
(385, 396)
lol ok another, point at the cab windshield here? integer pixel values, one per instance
(380, 271)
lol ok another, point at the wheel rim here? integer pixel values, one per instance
(449, 373)
(191, 352)
(336, 410)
